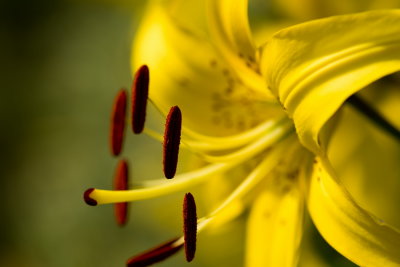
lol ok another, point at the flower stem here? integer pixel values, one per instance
(375, 116)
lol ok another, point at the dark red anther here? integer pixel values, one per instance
(189, 226)
(86, 196)
(121, 183)
(140, 93)
(172, 138)
(154, 255)
(118, 122)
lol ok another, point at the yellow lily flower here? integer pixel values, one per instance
(264, 115)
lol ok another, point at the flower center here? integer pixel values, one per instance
(271, 147)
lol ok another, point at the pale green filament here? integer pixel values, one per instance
(272, 133)
(209, 143)
(233, 141)
(256, 147)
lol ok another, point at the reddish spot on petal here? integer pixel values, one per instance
(189, 226)
(140, 93)
(154, 255)
(172, 138)
(121, 183)
(86, 196)
(118, 122)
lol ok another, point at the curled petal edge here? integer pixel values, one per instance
(351, 230)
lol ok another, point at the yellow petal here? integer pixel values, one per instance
(314, 67)
(231, 26)
(351, 230)
(275, 227)
(373, 181)
(185, 70)
(311, 9)
(189, 14)
(231, 35)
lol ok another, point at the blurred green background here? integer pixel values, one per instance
(62, 63)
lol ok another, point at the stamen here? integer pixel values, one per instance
(140, 93)
(118, 122)
(172, 137)
(155, 255)
(259, 145)
(189, 226)
(121, 183)
(86, 196)
(211, 143)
